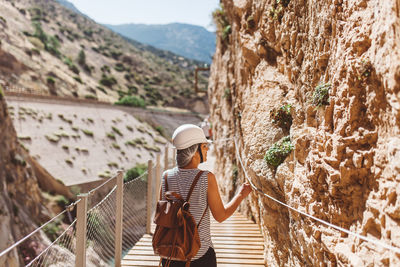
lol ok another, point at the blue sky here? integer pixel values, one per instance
(197, 12)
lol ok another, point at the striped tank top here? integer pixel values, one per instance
(179, 181)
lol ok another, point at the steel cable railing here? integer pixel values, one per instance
(98, 240)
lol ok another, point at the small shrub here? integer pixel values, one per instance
(62, 201)
(116, 130)
(152, 148)
(53, 229)
(75, 128)
(69, 162)
(282, 116)
(235, 174)
(278, 152)
(321, 95)
(129, 128)
(131, 143)
(61, 116)
(93, 97)
(90, 120)
(160, 140)
(87, 132)
(112, 164)
(222, 23)
(111, 136)
(78, 79)
(51, 80)
(131, 101)
(65, 147)
(116, 146)
(135, 172)
(104, 175)
(160, 130)
(364, 70)
(227, 94)
(119, 67)
(277, 9)
(24, 137)
(52, 138)
(108, 81)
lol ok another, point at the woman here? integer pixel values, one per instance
(192, 147)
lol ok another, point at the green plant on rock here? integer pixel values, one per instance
(50, 80)
(222, 23)
(227, 94)
(235, 173)
(278, 152)
(62, 201)
(277, 9)
(78, 79)
(135, 172)
(250, 23)
(282, 116)
(53, 229)
(321, 95)
(364, 70)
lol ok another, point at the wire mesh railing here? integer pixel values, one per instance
(101, 231)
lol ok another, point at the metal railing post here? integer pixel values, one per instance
(166, 158)
(118, 218)
(81, 218)
(158, 176)
(149, 195)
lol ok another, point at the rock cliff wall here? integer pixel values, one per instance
(344, 166)
(21, 208)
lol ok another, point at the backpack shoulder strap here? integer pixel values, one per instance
(194, 184)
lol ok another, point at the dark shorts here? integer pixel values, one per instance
(207, 260)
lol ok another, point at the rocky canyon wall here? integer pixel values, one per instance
(345, 164)
(21, 204)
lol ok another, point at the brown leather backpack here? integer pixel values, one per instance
(176, 236)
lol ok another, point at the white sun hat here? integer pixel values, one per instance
(187, 135)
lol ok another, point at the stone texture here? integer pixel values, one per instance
(344, 167)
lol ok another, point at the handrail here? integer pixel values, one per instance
(38, 229)
(376, 242)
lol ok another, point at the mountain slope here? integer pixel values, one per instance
(51, 49)
(183, 39)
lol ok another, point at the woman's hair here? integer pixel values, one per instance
(184, 156)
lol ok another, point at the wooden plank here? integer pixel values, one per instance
(237, 242)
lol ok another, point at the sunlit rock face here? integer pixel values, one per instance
(345, 164)
(21, 208)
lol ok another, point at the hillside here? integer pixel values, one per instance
(311, 92)
(47, 48)
(187, 40)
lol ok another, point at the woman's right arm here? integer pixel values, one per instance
(218, 210)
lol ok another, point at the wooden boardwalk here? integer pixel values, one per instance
(237, 242)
